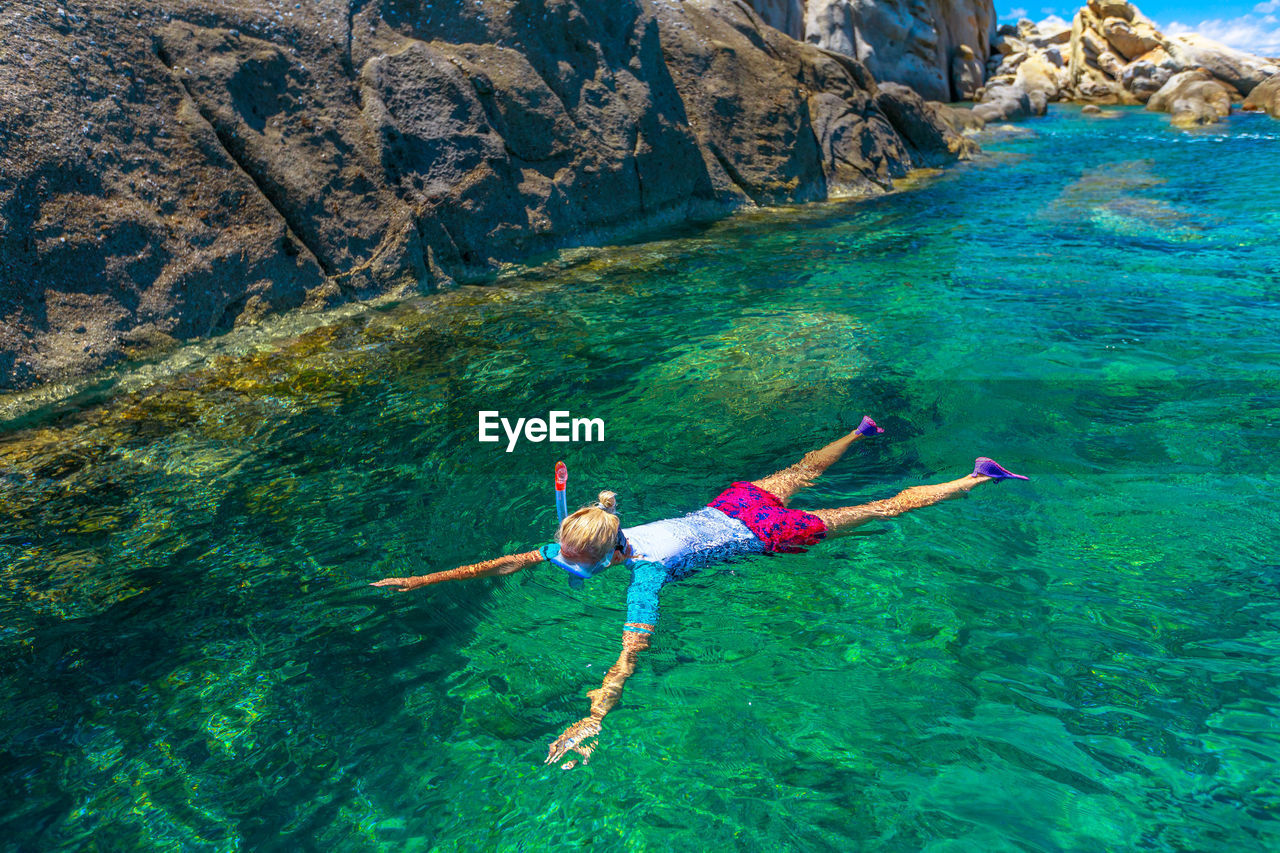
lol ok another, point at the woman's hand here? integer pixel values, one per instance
(401, 584)
(575, 739)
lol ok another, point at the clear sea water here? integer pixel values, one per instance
(191, 658)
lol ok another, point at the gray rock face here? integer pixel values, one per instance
(904, 41)
(967, 74)
(167, 173)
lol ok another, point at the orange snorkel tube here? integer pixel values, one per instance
(562, 481)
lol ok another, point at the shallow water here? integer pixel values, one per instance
(190, 656)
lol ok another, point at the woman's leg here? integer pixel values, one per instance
(788, 481)
(845, 519)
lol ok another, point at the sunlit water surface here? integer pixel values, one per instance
(190, 655)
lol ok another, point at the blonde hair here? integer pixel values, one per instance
(592, 531)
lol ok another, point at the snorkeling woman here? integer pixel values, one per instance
(746, 518)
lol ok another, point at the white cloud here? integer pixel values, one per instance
(1017, 13)
(1250, 33)
(1054, 21)
(1267, 8)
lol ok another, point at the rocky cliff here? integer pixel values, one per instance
(933, 46)
(173, 170)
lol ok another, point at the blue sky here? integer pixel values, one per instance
(1252, 26)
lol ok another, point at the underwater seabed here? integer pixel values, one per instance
(190, 656)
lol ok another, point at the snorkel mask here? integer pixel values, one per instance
(578, 572)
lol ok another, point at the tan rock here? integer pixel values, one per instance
(1131, 40)
(1265, 98)
(1193, 112)
(1163, 98)
(1143, 77)
(1094, 44)
(1242, 70)
(1037, 74)
(1112, 9)
(1161, 59)
(1092, 86)
(1008, 45)
(1194, 98)
(1053, 31)
(1110, 63)
(1010, 64)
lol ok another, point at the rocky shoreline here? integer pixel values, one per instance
(170, 174)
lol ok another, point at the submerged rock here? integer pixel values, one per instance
(1007, 102)
(1034, 84)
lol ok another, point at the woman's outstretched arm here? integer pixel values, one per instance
(647, 580)
(581, 736)
(489, 568)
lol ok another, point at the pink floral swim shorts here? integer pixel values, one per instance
(779, 528)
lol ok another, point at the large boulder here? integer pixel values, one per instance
(1265, 98)
(1009, 102)
(1193, 98)
(1144, 76)
(1241, 70)
(1093, 42)
(925, 127)
(1110, 64)
(1052, 31)
(1092, 86)
(1040, 76)
(1008, 45)
(1112, 9)
(1131, 39)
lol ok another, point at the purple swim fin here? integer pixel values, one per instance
(984, 467)
(868, 427)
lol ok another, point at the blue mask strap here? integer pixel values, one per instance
(577, 573)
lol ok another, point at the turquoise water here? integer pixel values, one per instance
(191, 658)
